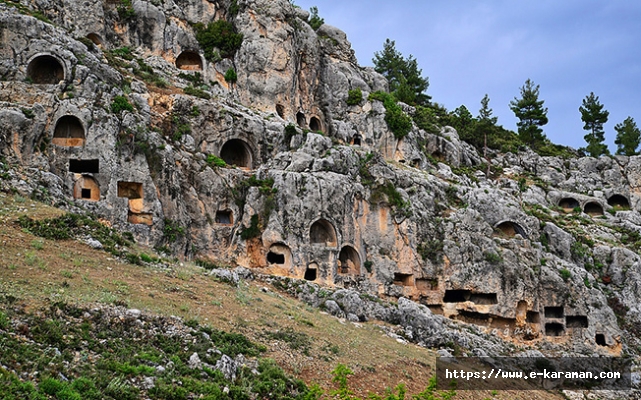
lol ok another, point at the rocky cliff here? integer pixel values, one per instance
(118, 109)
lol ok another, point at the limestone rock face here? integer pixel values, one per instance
(117, 112)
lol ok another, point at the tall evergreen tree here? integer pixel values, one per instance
(628, 137)
(403, 75)
(531, 114)
(594, 116)
(486, 123)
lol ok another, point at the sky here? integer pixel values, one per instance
(468, 48)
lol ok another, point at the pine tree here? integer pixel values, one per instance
(486, 123)
(531, 114)
(594, 116)
(403, 75)
(628, 137)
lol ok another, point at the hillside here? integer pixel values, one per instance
(230, 135)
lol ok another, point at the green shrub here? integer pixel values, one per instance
(172, 231)
(315, 21)
(397, 121)
(126, 10)
(253, 230)
(368, 265)
(566, 274)
(492, 257)
(215, 161)
(220, 35)
(289, 133)
(119, 104)
(431, 250)
(230, 76)
(354, 97)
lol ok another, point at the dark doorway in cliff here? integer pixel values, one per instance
(190, 61)
(84, 166)
(569, 204)
(130, 190)
(357, 139)
(311, 272)
(533, 317)
(510, 229)
(600, 339)
(456, 296)
(416, 163)
(483, 298)
(315, 125)
(593, 208)
(576, 321)
(301, 120)
(45, 70)
(554, 312)
(86, 188)
(280, 110)
(275, 258)
(237, 152)
(224, 217)
(554, 329)
(403, 279)
(323, 232)
(279, 254)
(95, 38)
(349, 261)
(69, 132)
(619, 202)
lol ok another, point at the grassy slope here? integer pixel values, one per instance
(304, 341)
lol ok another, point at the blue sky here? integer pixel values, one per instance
(468, 48)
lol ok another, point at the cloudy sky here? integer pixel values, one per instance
(469, 47)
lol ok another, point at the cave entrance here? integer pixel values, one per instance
(403, 279)
(86, 188)
(323, 232)
(456, 296)
(224, 217)
(301, 120)
(349, 261)
(95, 38)
(315, 125)
(568, 204)
(84, 166)
(69, 132)
(593, 208)
(600, 339)
(237, 152)
(189, 61)
(510, 229)
(533, 317)
(576, 321)
(279, 254)
(45, 70)
(357, 139)
(311, 273)
(619, 202)
(553, 312)
(554, 329)
(280, 110)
